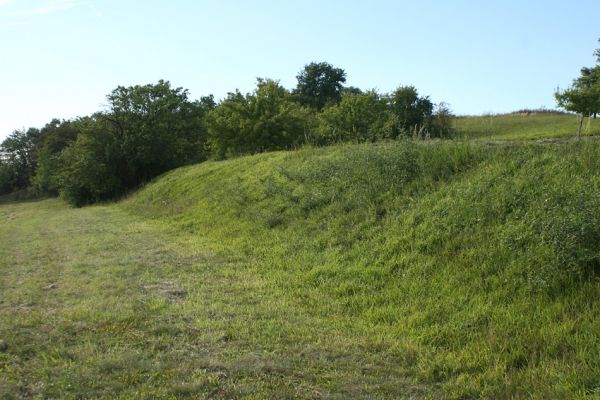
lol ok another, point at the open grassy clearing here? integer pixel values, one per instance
(522, 126)
(395, 270)
(97, 303)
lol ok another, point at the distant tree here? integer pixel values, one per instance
(441, 122)
(583, 96)
(6, 177)
(358, 118)
(18, 156)
(351, 90)
(581, 100)
(319, 84)
(413, 111)
(266, 119)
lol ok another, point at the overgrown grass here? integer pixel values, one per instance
(522, 126)
(397, 270)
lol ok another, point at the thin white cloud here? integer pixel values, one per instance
(5, 2)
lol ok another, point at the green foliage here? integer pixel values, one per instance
(442, 121)
(359, 117)
(413, 111)
(54, 138)
(579, 99)
(18, 159)
(266, 119)
(320, 84)
(88, 171)
(156, 128)
(583, 97)
(6, 177)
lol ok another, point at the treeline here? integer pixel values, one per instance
(147, 130)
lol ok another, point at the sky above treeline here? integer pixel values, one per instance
(60, 58)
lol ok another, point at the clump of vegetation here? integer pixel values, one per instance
(147, 130)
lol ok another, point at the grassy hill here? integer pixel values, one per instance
(522, 126)
(396, 270)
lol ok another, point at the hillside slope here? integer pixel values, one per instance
(476, 266)
(399, 270)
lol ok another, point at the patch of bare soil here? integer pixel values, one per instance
(170, 290)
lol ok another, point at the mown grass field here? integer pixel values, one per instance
(397, 270)
(523, 126)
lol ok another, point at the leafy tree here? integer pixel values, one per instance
(54, 137)
(157, 128)
(413, 111)
(581, 100)
(17, 153)
(583, 96)
(358, 118)
(6, 177)
(88, 167)
(319, 84)
(266, 119)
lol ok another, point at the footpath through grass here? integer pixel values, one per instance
(396, 270)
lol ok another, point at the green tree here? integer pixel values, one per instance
(357, 118)
(413, 111)
(55, 136)
(157, 128)
(266, 119)
(319, 84)
(19, 161)
(88, 166)
(583, 96)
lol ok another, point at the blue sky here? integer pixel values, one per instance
(59, 58)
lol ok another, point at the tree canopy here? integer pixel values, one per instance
(266, 119)
(319, 84)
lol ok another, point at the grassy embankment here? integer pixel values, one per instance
(400, 270)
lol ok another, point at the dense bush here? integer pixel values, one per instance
(266, 119)
(357, 118)
(88, 169)
(156, 128)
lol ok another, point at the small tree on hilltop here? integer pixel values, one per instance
(583, 96)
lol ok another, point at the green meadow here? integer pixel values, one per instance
(399, 270)
(523, 126)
